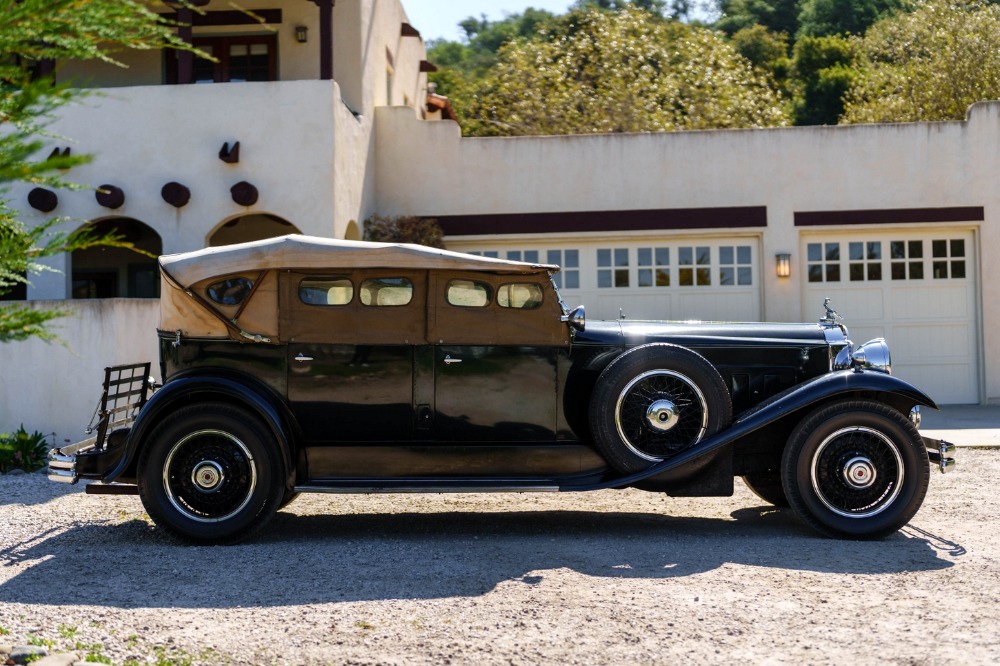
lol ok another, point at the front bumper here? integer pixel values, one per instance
(937, 451)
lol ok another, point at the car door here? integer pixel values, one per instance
(496, 340)
(351, 340)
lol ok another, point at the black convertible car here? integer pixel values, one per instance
(300, 364)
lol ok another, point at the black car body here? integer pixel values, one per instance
(306, 365)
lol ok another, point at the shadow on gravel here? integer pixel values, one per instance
(318, 559)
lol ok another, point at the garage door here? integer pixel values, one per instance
(672, 279)
(917, 290)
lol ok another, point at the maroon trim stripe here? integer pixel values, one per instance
(612, 220)
(889, 216)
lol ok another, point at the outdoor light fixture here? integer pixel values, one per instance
(783, 264)
(301, 34)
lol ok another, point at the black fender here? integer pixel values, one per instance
(245, 392)
(834, 385)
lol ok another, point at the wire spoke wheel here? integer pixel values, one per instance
(209, 475)
(661, 413)
(857, 472)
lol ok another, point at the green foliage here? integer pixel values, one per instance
(19, 450)
(931, 64)
(824, 69)
(778, 16)
(766, 51)
(625, 71)
(842, 17)
(418, 230)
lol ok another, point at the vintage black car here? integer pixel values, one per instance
(300, 364)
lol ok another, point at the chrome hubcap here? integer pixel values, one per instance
(859, 472)
(207, 476)
(662, 415)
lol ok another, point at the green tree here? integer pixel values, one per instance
(408, 229)
(930, 64)
(842, 17)
(31, 33)
(778, 16)
(823, 70)
(765, 50)
(625, 71)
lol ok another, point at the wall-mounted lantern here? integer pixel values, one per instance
(783, 264)
(301, 34)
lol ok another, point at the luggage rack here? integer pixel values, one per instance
(126, 389)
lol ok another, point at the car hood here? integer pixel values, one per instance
(630, 333)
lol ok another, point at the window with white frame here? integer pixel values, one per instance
(612, 268)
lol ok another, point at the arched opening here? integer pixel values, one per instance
(114, 272)
(352, 233)
(250, 228)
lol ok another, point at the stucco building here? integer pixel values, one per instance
(329, 107)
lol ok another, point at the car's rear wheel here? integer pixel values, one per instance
(654, 402)
(855, 469)
(767, 486)
(210, 473)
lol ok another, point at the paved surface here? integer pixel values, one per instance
(963, 425)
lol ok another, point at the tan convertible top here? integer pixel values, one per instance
(296, 252)
(187, 308)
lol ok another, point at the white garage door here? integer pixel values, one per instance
(916, 289)
(671, 279)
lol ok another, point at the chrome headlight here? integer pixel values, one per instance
(873, 354)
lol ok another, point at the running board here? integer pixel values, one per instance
(432, 485)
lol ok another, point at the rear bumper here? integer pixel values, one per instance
(83, 460)
(937, 451)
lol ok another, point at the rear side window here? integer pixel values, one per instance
(520, 295)
(386, 292)
(468, 293)
(231, 291)
(326, 291)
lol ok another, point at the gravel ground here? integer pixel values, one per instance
(595, 578)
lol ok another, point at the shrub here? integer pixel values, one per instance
(19, 450)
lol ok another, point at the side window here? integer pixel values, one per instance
(231, 291)
(468, 294)
(386, 292)
(520, 295)
(326, 291)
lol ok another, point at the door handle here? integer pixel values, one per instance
(302, 357)
(448, 360)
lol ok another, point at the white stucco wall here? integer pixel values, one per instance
(920, 165)
(54, 387)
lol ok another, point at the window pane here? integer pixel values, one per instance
(726, 254)
(875, 250)
(521, 295)
(686, 277)
(704, 277)
(940, 270)
(645, 256)
(337, 291)
(958, 247)
(468, 294)
(815, 251)
(744, 275)
(704, 256)
(663, 256)
(553, 257)
(662, 278)
(621, 277)
(386, 292)
(857, 272)
(897, 250)
(603, 279)
(572, 280)
(572, 259)
(645, 277)
(939, 248)
(743, 254)
(916, 249)
(958, 269)
(621, 256)
(726, 276)
(874, 271)
(855, 251)
(833, 251)
(685, 256)
(514, 255)
(231, 291)
(815, 273)
(604, 257)
(916, 270)
(832, 273)
(531, 256)
(898, 270)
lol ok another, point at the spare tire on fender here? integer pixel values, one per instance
(654, 402)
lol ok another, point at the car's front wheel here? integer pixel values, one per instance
(210, 473)
(855, 469)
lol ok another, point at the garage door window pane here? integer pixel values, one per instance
(824, 262)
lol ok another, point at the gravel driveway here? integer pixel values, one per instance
(594, 578)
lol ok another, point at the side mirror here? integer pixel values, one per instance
(577, 318)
